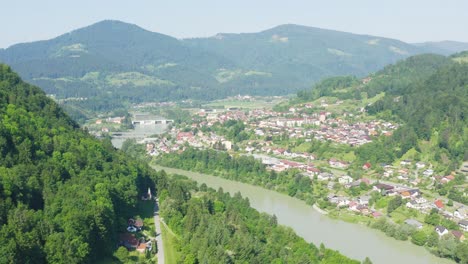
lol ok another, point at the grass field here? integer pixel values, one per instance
(171, 246)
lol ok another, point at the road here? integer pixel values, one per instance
(157, 224)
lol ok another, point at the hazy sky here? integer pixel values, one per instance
(407, 20)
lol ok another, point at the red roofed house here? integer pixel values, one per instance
(439, 204)
(141, 248)
(366, 166)
(184, 135)
(129, 241)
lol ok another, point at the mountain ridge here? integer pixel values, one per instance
(124, 63)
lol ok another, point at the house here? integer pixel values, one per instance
(461, 213)
(324, 176)
(412, 204)
(128, 240)
(458, 235)
(405, 195)
(364, 200)
(438, 204)
(342, 201)
(141, 248)
(376, 214)
(183, 136)
(428, 172)
(353, 206)
(139, 224)
(420, 200)
(330, 185)
(383, 187)
(366, 166)
(420, 165)
(405, 162)
(346, 179)
(463, 224)
(441, 230)
(414, 223)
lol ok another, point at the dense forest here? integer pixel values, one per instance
(64, 196)
(217, 228)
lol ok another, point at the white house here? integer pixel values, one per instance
(441, 230)
(463, 224)
(346, 179)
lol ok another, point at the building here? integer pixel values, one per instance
(414, 223)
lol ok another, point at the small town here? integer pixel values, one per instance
(261, 133)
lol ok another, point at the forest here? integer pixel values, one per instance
(64, 195)
(217, 228)
(432, 106)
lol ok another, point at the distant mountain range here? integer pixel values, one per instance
(116, 62)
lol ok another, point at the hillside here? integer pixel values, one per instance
(112, 63)
(426, 93)
(64, 196)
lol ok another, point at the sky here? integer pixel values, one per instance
(407, 20)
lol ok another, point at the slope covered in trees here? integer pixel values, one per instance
(64, 196)
(433, 109)
(217, 228)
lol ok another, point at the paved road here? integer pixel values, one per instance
(157, 224)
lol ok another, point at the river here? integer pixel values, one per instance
(353, 240)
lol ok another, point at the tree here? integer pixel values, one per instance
(367, 261)
(394, 204)
(122, 254)
(432, 239)
(419, 238)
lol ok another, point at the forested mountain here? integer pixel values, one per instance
(64, 195)
(433, 108)
(427, 94)
(111, 62)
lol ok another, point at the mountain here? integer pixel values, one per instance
(112, 63)
(444, 47)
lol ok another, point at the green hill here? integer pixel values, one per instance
(64, 195)
(426, 93)
(111, 63)
(433, 109)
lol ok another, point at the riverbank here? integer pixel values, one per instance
(356, 241)
(319, 210)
